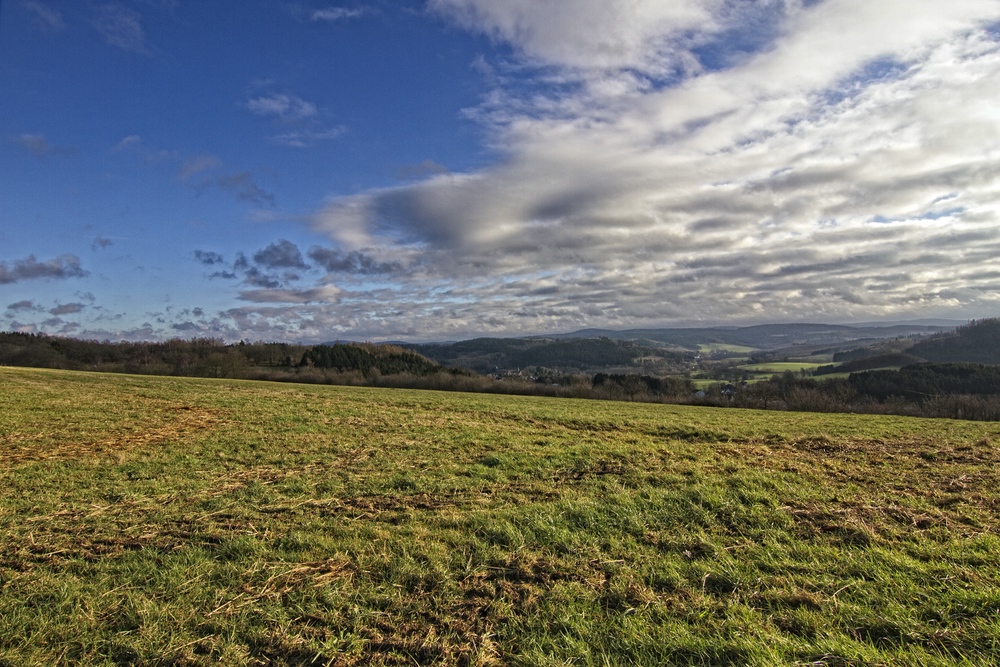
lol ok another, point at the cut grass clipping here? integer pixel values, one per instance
(164, 521)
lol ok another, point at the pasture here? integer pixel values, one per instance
(781, 366)
(168, 521)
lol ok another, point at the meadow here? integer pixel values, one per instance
(781, 366)
(174, 521)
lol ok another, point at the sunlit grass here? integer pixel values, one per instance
(781, 366)
(174, 521)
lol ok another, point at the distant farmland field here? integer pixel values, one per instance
(781, 366)
(165, 521)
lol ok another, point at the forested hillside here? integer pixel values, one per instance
(209, 358)
(928, 380)
(977, 342)
(488, 355)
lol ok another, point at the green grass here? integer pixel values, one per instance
(781, 366)
(164, 521)
(832, 376)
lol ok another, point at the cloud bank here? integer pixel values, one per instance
(682, 163)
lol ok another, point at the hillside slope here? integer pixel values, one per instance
(154, 520)
(977, 342)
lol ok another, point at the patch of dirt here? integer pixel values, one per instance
(856, 524)
(181, 422)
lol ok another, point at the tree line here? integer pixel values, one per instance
(956, 390)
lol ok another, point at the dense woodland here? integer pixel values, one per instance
(489, 355)
(952, 386)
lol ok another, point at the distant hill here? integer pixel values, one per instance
(869, 363)
(387, 359)
(924, 381)
(487, 355)
(602, 349)
(977, 342)
(763, 336)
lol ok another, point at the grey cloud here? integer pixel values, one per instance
(258, 278)
(338, 261)
(29, 268)
(67, 309)
(60, 326)
(326, 293)
(21, 305)
(208, 258)
(282, 254)
(101, 242)
(421, 170)
(242, 186)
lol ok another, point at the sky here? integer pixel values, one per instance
(312, 171)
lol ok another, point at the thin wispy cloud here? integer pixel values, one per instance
(306, 138)
(46, 18)
(121, 27)
(131, 141)
(302, 121)
(40, 147)
(241, 185)
(333, 14)
(197, 165)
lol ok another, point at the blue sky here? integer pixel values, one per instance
(380, 170)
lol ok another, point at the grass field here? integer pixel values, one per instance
(164, 521)
(781, 366)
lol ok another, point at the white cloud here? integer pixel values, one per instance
(285, 107)
(304, 137)
(128, 142)
(302, 122)
(640, 34)
(804, 179)
(335, 14)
